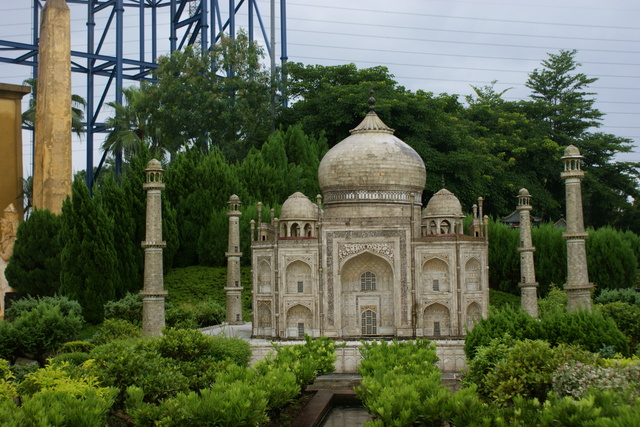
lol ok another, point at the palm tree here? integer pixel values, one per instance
(132, 126)
(78, 104)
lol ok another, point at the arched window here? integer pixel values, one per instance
(369, 323)
(295, 230)
(367, 281)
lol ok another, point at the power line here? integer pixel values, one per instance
(428, 15)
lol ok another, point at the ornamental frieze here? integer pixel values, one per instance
(289, 304)
(429, 257)
(347, 249)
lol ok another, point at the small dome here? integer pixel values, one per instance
(234, 199)
(572, 151)
(523, 192)
(297, 206)
(154, 164)
(443, 204)
(371, 159)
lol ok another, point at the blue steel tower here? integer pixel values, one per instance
(107, 66)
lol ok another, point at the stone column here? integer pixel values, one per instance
(528, 284)
(8, 231)
(578, 287)
(11, 147)
(52, 157)
(234, 288)
(153, 292)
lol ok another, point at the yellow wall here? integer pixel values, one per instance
(11, 146)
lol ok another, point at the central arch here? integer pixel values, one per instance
(367, 283)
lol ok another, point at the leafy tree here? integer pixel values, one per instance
(132, 127)
(217, 99)
(117, 206)
(78, 104)
(612, 263)
(504, 260)
(550, 256)
(88, 258)
(561, 98)
(34, 268)
(565, 110)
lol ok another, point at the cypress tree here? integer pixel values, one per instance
(34, 268)
(117, 206)
(88, 259)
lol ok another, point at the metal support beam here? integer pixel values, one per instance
(104, 61)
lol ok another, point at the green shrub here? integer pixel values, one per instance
(43, 330)
(628, 295)
(555, 301)
(627, 318)
(181, 317)
(128, 308)
(401, 384)
(577, 379)
(190, 345)
(498, 299)
(483, 363)
(21, 370)
(75, 359)
(125, 363)
(76, 347)
(612, 263)
(209, 312)
(507, 320)
(527, 369)
(115, 329)
(236, 404)
(307, 361)
(588, 329)
(24, 305)
(9, 341)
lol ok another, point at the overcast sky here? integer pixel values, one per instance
(440, 46)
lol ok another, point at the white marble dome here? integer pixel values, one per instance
(371, 164)
(443, 204)
(298, 207)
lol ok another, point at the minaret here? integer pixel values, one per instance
(153, 292)
(234, 288)
(578, 287)
(528, 285)
(52, 153)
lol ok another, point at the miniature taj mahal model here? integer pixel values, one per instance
(366, 260)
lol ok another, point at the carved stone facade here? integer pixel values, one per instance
(369, 262)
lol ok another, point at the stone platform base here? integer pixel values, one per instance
(450, 353)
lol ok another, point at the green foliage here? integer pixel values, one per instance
(504, 259)
(576, 379)
(117, 206)
(73, 358)
(128, 308)
(401, 384)
(550, 258)
(508, 320)
(590, 330)
(115, 329)
(486, 358)
(125, 363)
(190, 345)
(498, 299)
(88, 258)
(612, 263)
(24, 305)
(626, 295)
(34, 268)
(39, 327)
(233, 111)
(306, 361)
(627, 319)
(76, 347)
(554, 302)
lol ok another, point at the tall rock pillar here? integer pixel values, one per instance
(234, 288)
(578, 287)
(52, 155)
(528, 285)
(153, 292)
